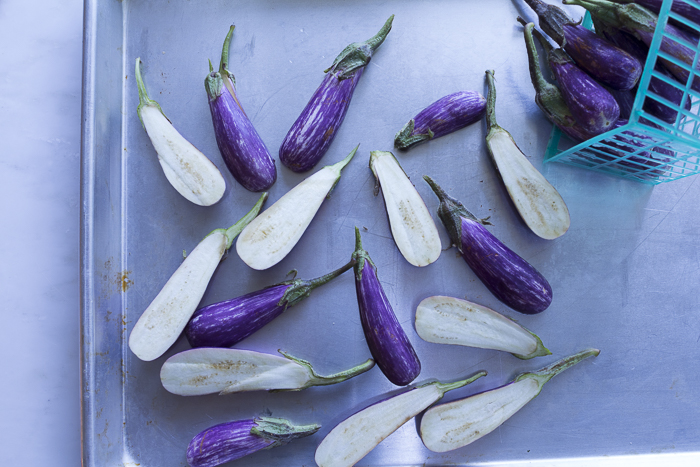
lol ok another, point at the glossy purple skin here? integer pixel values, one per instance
(313, 132)
(449, 114)
(510, 278)
(385, 337)
(593, 107)
(602, 60)
(242, 149)
(223, 443)
(226, 323)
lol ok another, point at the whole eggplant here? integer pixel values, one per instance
(548, 97)
(244, 152)
(641, 23)
(313, 132)
(442, 117)
(226, 323)
(590, 103)
(509, 277)
(602, 60)
(385, 337)
(232, 440)
(657, 85)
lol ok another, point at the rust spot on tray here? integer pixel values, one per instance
(123, 281)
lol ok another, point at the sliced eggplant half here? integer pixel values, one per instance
(448, 320)
(412, 227)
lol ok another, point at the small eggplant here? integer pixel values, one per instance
(226, 323)
(412, 226)
(539, 204)
(313, 132)
(269, 239)
(353, 438)
(642, 23)
(230, 441)
(458, 423)
(243, 150)
(442, 117)
(385, 337)
(548, 97)
(188, 170)
(161, 324)
(226, 371)
(447, 320)
(602, 60)
(510, 278)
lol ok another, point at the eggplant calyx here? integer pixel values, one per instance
(491, 104)
(339, 166)
(552, 19)
(281, 431)
(233, 231)
(358, 54)
(550, 371)
(405, 139)
(540, 351)
(319, 380)
(610, 12)
(300, 288)
(360, 256)
(451, 213)
(445, 387)
(215, 81)
(144, 100)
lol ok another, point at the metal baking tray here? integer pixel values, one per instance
(625, 277)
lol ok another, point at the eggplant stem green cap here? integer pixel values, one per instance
(300, 289)
(144, 100)
(358, 54)
(319, 380)
(281, 431)
(233, 231)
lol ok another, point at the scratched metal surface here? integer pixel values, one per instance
(626, 277)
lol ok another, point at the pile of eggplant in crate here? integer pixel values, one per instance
(265, 237)
(598, 73)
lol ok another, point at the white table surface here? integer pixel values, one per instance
(40, 93)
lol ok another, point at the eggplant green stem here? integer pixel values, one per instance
(540, 351)
(541, 85)
(233, 231)
(405, 139)
(319, 380)
(552, 19)
(300, 289)
(445, 387)
(491, 102)
(358, 54)
(360, 256)
(223, 64)
(608, 11)
(281, 431)
(144, 100)
(545, 374)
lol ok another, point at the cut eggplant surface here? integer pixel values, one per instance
(225, 371)
(412, 227)
(539, 204)
(268, 239)
(448, 320)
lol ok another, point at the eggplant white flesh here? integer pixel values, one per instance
(272, 235)
(353, 438)
(412, 227)
(162, 322)
(448, 320)
(189, 171)
(539, 204)
(453, 425)
(225, 371)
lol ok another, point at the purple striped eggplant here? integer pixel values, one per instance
(641, 23)
(226, 323)
(548, 97)
(385, 337)
(442, 117)
(509, 277)
(602, 60)
(657, 85)
(455, 424)
(353, 438)
(313, 132)
(230, 441)
(243, 150)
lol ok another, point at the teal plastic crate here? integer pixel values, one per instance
(647, 149)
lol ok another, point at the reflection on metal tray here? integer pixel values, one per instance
(625, 277)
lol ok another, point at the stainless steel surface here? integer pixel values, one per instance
(626, 277)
